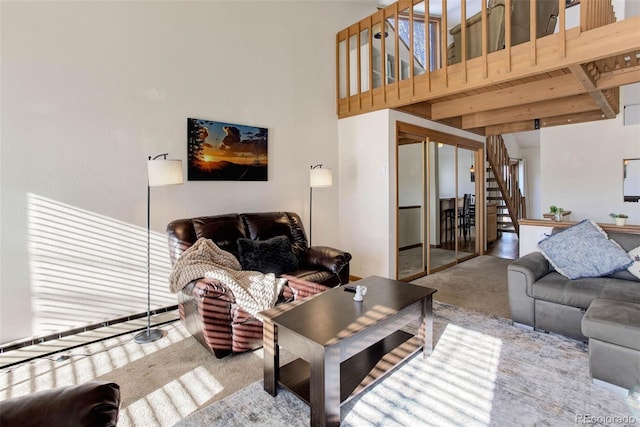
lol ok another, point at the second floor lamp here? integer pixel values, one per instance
(318, 177)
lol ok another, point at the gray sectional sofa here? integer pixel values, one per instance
(543, 299)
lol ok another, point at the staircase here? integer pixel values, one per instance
(502, 186)
(494, 195)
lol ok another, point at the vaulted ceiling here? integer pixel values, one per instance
(571, 76)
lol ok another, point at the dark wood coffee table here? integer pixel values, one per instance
(344, 346)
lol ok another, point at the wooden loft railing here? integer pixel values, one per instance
(506, 179)
(595, 14)
(569, 76)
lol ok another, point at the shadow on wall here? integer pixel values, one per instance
(86, 268)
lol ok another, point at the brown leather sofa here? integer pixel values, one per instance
(208, 309)
(91, 404)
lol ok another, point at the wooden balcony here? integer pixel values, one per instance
(492, 82)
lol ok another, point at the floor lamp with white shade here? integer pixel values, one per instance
(160, 172)
(318, 177)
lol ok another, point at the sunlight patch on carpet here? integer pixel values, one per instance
(174, 400)
(94, 361)
(462, 371)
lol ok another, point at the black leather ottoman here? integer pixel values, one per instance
(92, 404)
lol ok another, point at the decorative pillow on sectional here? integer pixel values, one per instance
(635, 267)
(584, 250)
(273, 255)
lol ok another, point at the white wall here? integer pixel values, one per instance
(533, 194)
(572, 142)
(526, 146)
(581, 168)
(529, 237)
(512, 145)
(90, 89)
(364, 193)
(632, 8)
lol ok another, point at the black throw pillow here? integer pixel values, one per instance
(273, 255)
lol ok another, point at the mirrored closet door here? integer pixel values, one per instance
(466, 191)
(437, 224)
(411, 203)
(442, 250)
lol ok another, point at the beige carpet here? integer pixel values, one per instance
(479, 284)
(161, 382)
(165, 381)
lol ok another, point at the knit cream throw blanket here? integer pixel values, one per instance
(253, 291)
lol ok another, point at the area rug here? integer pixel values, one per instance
(483, 372)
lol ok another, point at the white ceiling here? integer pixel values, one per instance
(530, 139)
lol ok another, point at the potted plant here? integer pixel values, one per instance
(620, 218)
(557, 212)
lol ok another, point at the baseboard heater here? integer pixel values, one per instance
(16, 345)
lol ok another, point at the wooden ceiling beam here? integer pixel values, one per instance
(554, 107)
(527, 93)
(507, 128)
(609, 80)
(617, 78)
(421, 109)
(588, 80)
(587, 116)
(545, 122)
(541, 90)
(455, 122)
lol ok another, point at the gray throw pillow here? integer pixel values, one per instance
(584, 250)
(273, 255)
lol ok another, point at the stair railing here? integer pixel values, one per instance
(506, 178)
